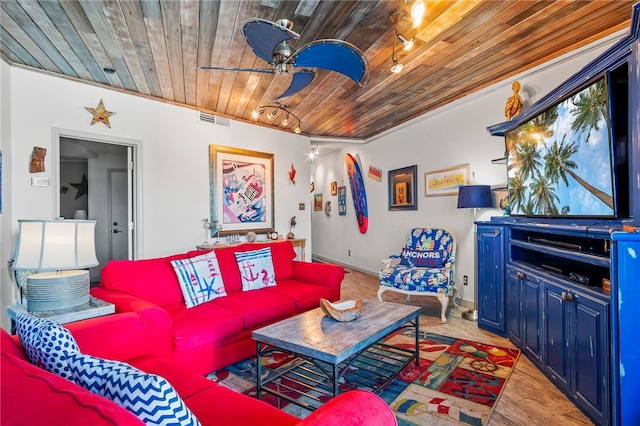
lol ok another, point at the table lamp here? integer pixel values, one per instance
(60, 251)
(474, 197)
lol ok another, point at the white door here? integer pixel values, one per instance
(118, 184)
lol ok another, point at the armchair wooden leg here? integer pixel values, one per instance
(444, 301)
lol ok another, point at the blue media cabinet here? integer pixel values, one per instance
(540, 280)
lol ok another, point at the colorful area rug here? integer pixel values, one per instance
(458, 382)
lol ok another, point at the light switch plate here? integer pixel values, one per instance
(39, 181)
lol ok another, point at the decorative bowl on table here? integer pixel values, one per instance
(342, 311)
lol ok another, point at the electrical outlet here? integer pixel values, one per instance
(348, 252)
(465, 280)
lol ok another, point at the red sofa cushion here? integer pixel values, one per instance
(306, 296)
(257, 307)
(11, 345)
(211, 403)
(32, 396)
(153, 280)
(236, 409)
(203, 324)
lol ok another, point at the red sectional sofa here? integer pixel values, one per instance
(217, 333)
(33, 396)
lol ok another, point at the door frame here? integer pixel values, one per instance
(136, 184)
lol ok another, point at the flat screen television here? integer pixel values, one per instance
(562, 162)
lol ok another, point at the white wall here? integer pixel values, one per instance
(8, 290)
(174, 189)
(453, 135)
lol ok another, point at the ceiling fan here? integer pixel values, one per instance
(268, 40)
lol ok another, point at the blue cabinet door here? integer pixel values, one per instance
(556, 336)
(490, 279)
(532, 319)
(514, 306)
(590, 351)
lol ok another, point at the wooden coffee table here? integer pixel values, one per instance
(328, 351)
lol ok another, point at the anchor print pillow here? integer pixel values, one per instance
(200, 279)
(256, 269)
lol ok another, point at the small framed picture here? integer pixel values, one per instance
(342, 201)
(334, 188)
(402, 189)
(317, 202)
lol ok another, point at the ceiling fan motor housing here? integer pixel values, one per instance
(281, 55)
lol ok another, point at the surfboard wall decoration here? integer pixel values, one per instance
(356, 182)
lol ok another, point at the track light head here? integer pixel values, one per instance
(417, 12)
(396, 68)
(407, 44)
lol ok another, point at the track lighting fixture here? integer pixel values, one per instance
(395, 17)
(276, 109)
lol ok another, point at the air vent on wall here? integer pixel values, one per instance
(214, 119)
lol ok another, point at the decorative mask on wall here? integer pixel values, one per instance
(37, 160)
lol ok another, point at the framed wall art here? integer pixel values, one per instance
(445, 181)
(342, 200)
(334, 188)
(317, 202)
(241, 190)
(402, 189)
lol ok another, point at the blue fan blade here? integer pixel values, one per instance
(300, 80)
(334, 55)
(263, 37)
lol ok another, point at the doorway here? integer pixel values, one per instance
(97, 181)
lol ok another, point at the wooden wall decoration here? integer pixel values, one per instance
(375, 173)
(100, 114)
(513, 106)
(37, 160)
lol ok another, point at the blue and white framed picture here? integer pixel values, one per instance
(342, 200)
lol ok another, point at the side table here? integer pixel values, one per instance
(296, 242)
(94, 308)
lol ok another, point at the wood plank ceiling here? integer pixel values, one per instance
(460, 47)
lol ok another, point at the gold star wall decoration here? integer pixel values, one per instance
(100, 114)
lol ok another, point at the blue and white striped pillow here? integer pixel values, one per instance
(256, 269)
(200, 279)
(46, 343)
(151, 398)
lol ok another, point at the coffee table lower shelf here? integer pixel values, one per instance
(310, 383)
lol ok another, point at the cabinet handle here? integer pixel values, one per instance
(567, 296)
(497, 231)
(520, 276)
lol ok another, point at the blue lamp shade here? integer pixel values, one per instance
(475, 197)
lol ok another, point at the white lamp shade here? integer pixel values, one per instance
(80, 214)
(53, 245)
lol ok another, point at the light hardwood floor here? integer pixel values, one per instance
(529, 398)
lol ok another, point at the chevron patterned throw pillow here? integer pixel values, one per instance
(151, 398)
(46, 343)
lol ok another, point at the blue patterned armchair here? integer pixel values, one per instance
(425, 267)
